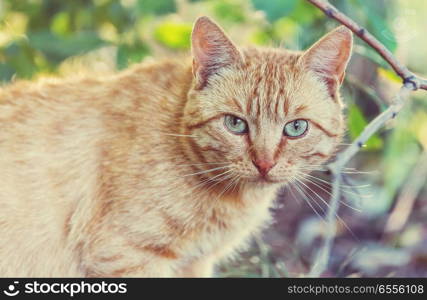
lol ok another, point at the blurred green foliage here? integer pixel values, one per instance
(175, 36)
(37, 35)
(356, 126)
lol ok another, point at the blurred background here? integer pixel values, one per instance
(382, 224)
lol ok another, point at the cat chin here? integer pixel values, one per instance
(265, 181)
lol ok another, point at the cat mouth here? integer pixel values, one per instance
(264, 179)
(267, 179)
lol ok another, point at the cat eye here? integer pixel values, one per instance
(295, 128)
(235, 125)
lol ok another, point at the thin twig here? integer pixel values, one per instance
(337, 166)
(322, 259)
(400, 69)
(411, 82)
(390, 113)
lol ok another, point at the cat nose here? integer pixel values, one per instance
(264, 165)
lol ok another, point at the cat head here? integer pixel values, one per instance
(264, 115)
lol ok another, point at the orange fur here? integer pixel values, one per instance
(134, 174)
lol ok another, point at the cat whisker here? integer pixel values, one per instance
(227, 187)
(345, 203)
(344, 188)
(329, 193)
(236, 183)
(359, 172)
(228, 175)
(313, 169)
(180, 135)
(300, 190)
(352, 190)
(222, 180)
(327, 204)
(292, 191)
(306, 192)
(217, 179)
(203, 164)
(293, 194)
(344, 171)
(202, 172)
(346, 179)
(206, 171)
(341, 185)
(321, 168)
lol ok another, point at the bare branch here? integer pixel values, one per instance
(322, 259)
(390, 113)
(411, 82)
(401, 70)
(337, 166)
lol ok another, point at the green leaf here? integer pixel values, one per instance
(260, 38)
(389, 74)
(61, 23)
(356, 124)
(174, 35)
(20, 59)
(157, 7)
(275, 9)
(229, 10)
(305, 13)
(377, 20)
(128, 55)
(58, 48)
(400, 155)
(6, 72)
(285, 29)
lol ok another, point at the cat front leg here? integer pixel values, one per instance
(146, 265)
(118, 256)
(201, 268)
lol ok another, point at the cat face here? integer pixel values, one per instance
(264, 115)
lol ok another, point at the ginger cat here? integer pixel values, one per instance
(165, 168)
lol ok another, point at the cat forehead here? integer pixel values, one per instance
(262, 76)
(264, 89)
(278, 55)
(267, 70)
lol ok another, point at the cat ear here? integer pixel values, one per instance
(329, 57)
(211, 49)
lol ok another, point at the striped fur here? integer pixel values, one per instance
(111, 176)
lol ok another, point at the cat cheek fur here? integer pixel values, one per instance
(217, 147)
